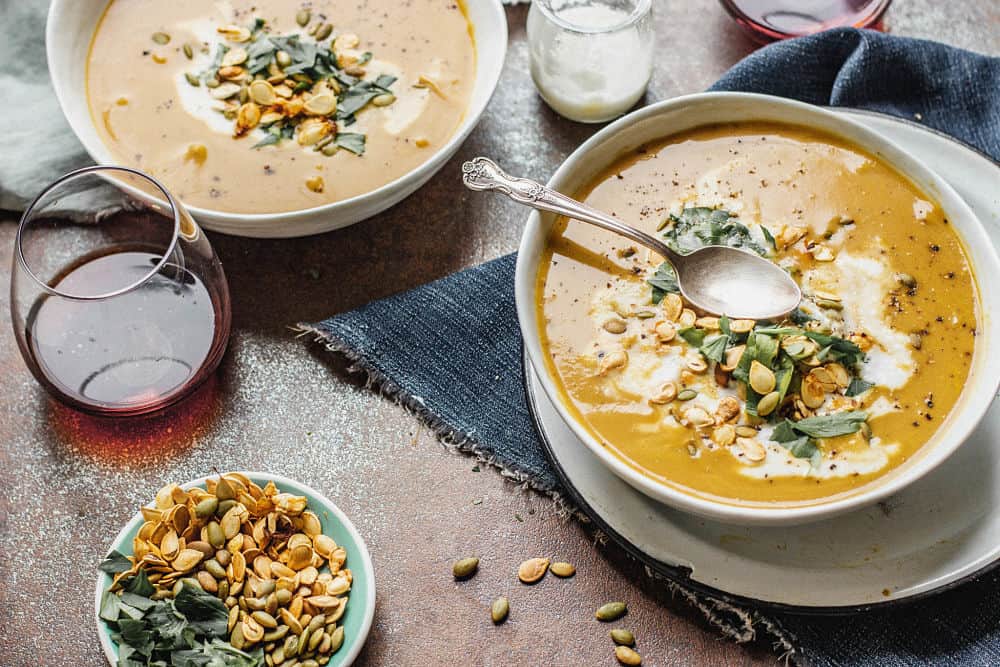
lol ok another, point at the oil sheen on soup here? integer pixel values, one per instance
(266, 106)
(847, 388)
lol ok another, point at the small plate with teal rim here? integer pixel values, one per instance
(357, 619)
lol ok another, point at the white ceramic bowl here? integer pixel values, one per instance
(71, 25)
(677, 115)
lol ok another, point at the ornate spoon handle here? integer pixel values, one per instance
(483, 174)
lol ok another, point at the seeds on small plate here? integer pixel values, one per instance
(532, 570)
(297, 584)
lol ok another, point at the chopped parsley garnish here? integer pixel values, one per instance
(700, 226)
(189, 630)
(294, 87)
(663, 280)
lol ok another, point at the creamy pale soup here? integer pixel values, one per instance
(846, 389)
(269, 106)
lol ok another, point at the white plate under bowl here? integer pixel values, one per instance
(68, 32)
(938, 532)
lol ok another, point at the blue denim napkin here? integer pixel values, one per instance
(451, 350)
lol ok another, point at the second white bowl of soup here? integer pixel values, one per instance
(882, 372)
(277, 119)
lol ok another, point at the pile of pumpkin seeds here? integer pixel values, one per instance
(533, 570)
(262, 552)
(293, 86)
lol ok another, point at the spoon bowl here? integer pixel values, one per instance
(737, 283)
(716, 279)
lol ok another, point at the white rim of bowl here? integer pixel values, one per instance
(366, 625)
(975, 236)
(470, 120)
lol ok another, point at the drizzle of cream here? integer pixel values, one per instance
(862, 284)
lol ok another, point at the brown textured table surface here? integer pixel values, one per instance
(280, 404)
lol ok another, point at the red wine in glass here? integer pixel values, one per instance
(769, 20)
(119, 304)
(130, 352)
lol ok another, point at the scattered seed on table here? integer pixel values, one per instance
(561, 569)
(532, 570)
(627, 656)
(499, 610)
(465, 568)
(622, 637)
(611, 611)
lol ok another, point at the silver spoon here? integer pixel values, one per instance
(717, 279)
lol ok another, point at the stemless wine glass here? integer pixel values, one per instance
(769, 20)
(119, 304)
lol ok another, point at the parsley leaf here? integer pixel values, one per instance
(784, 432)
(714, 347)
(204, 612)
(701, 226)
(836, 349)
(803, 448)
(139, 584)
(858, 386)
(351, 141)
(768, 237)
(800, 317)
(663, 280)
(831, 426)
(694, 337)
(760, 347)
(114, 563)
(356, 97)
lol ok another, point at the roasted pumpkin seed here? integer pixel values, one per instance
(627, 656)
(532, 570)
(336, 639)
(622, 637)
(562, 569)
(499, 609)
(611, 611)
(465, 568)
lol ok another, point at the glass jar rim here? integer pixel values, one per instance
(642, 8)
(97, 169)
